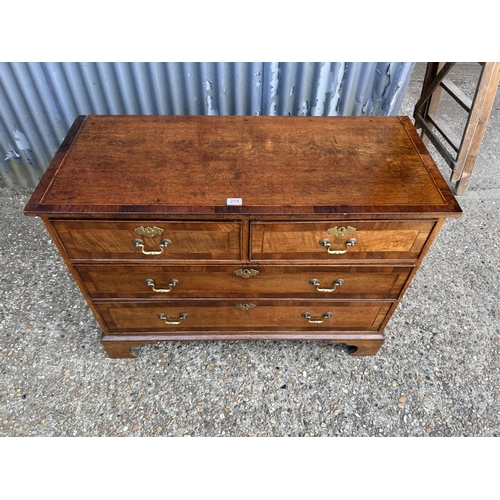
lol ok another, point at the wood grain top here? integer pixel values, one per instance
(175, 165)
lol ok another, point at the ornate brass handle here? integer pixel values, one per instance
(171, 284)
(182, 317)
(306, 315)
(325, 242)
(336, 283)
(140, 244)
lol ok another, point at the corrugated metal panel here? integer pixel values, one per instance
(39, 101)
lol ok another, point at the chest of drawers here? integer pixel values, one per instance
(242, 228)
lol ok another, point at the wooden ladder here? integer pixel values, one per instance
(478, 110)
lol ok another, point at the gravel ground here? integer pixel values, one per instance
(437, 374)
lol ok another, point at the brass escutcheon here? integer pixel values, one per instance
(245, 307)
(246, 273)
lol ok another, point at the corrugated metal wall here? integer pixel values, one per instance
(39, 101)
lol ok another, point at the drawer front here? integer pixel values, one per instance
(196, 316)
(162, 282)
(150, 240)
(339, 240)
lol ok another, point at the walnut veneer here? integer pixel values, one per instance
(211, 228)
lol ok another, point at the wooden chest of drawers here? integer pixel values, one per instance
(241, 228)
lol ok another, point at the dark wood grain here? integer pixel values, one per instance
(363, 344)
(298, 178)
(125, 318)
(114, 240)
(32, 207)
(192, 164)
(210, 315)
(375, 240)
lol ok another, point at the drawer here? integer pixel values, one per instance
(150, 240)
(339, 240)
(234, 315)
(161, 282)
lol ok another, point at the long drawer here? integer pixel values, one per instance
(337, 240)
(150, 240)
(340, 282)
(234, 315)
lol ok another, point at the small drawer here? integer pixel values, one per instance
(236, 315)
(150, 240)
(166, 282)
(338, 240)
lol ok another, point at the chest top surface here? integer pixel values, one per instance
(174, 165)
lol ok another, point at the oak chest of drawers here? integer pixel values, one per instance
(242, 228)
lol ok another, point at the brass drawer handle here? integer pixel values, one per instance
(336, 283)
(182, 317)
(140, 244)
(325, 242)
(171, 284)
(326, 316)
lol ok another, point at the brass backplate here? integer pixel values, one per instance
(148, 232)
(341, 231)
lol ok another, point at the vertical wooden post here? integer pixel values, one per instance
(476, 125)
(478, 111)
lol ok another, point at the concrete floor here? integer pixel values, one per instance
(438, 373)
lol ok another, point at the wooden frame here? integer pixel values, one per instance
(478, 110)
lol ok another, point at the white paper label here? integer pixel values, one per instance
(235, 201)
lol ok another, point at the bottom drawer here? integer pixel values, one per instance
(236, 315)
